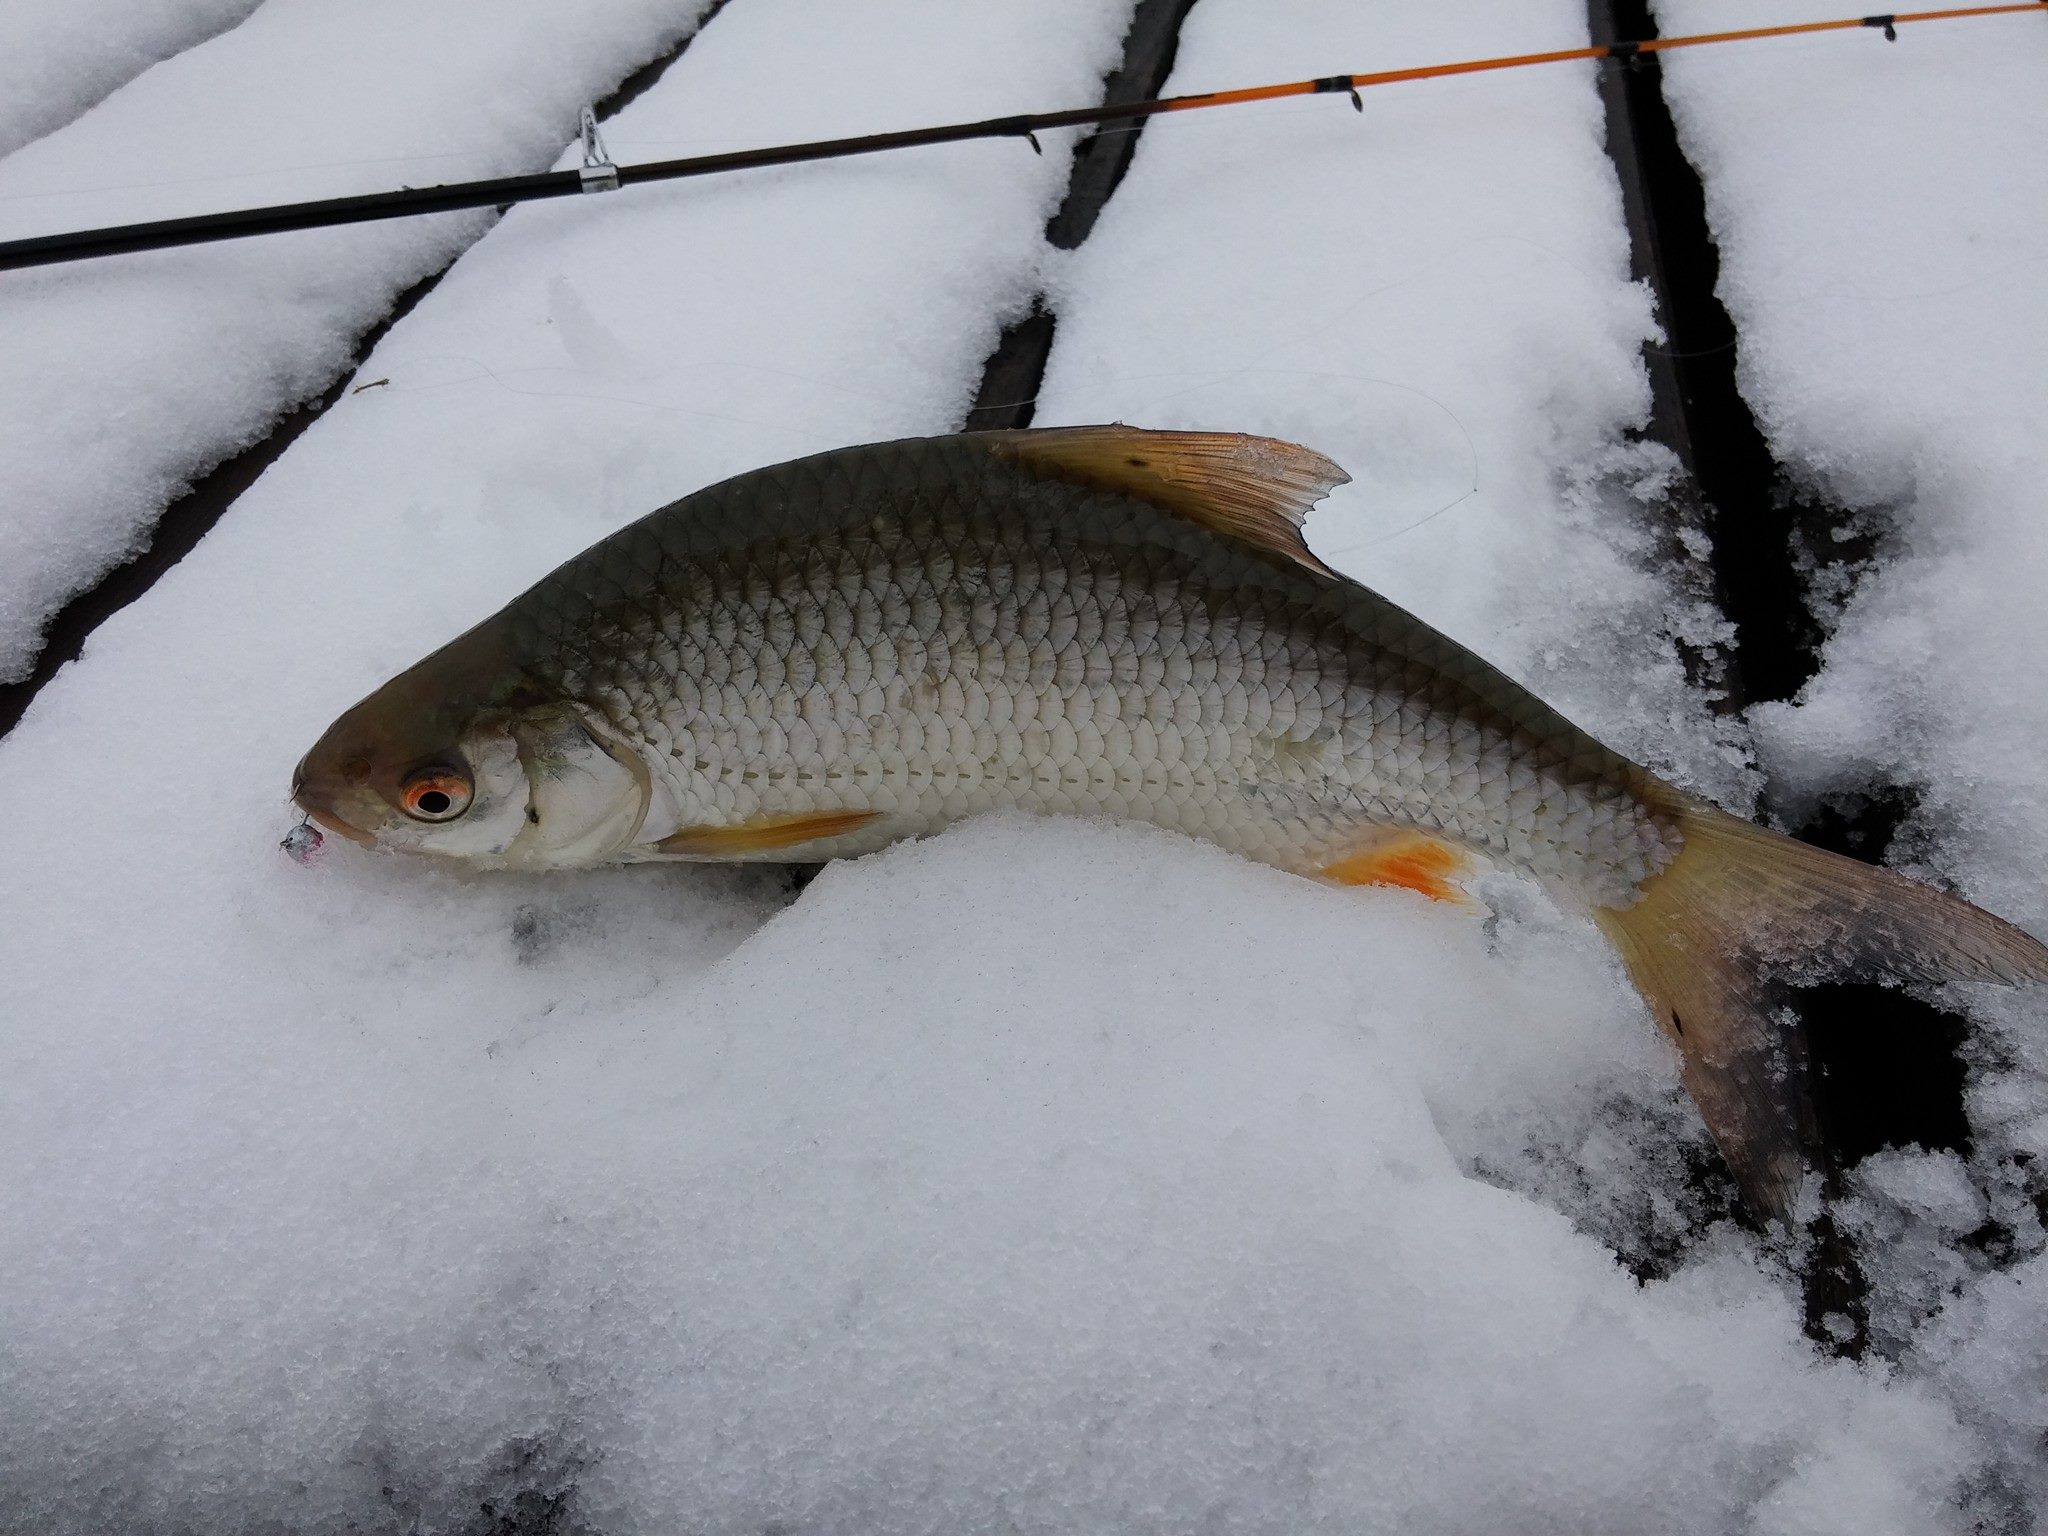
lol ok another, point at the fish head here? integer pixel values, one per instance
(465, 757)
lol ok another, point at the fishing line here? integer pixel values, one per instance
(485, 372)
(1316, 334)
(599, 174)
(1841, 291)
(803, 434)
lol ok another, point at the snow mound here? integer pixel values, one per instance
(1045, 1174)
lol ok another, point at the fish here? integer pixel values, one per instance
(816, 659)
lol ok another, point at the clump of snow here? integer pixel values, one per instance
(127, 377)
(57, 60)
(1986, 1348)
(1912, 1214)
(1435, 293)
(1881, 212)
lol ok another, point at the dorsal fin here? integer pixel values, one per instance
(1257, 489)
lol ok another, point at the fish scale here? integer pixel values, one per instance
(928, 632)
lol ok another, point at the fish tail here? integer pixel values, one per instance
(1741, 902)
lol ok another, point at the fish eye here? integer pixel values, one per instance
(435, 794)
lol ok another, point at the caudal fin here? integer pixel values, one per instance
(1741, 902)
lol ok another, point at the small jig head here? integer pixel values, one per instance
(303, 843)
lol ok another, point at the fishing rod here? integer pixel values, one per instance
(599, 174)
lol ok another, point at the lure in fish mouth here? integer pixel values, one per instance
(821, 657)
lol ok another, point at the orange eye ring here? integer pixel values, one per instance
(435, 794)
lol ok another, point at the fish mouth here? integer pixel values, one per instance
(317, 804)
(327, 821)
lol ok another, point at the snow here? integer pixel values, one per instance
(1044, 1175)
(922, 1209)
(58, 57)
(1879, 210)
(193, 353)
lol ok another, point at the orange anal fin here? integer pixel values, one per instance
(1412, 860)
(762, 835)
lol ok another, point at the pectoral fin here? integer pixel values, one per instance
(762, 837)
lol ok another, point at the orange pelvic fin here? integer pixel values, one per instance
(1414, 861)
(763, 835)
